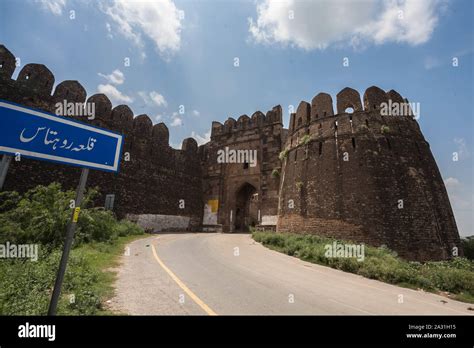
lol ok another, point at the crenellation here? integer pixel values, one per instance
(394, 96)
(258, 119)
(303, 115)
(142, 126)
(122, 118)
(321, 106)
(37, 78)
(7, 63)
(243, 122)
(374, 97)
(103, 109)
(348, 98)
(160, 134)
(190, 146)
(72, 91)
(229, 125)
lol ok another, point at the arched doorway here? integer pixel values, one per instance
(246, 208)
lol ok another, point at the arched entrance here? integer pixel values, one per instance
(246, 208)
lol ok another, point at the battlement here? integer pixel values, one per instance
(153, 176)
(317, 122)
(321, 107)
(257, 121)
(36, 80)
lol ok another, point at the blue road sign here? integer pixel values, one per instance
(48, 137)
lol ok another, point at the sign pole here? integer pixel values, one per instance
(71, 228)
(6, 159)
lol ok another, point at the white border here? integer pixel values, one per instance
(71, 123)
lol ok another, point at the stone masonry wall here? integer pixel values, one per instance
(348, 174)
(345, 174)
(222, 181)
(152, 182)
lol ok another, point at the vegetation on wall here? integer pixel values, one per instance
(275, 173)
(305, 139)
(283, 154)
(385, 129)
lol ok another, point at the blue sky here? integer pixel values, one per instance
(183, 53)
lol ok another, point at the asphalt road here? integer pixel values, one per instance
(211, 273)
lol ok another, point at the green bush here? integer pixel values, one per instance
(467, 244)
(41, 216)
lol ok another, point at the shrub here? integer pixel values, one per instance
(385, 129)
(275, 173)
(283, 154)
(305, 139)
(299, 185)
(41, 216)
(468, 247)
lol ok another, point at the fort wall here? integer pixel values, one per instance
(353, 173)
(154, 179)
(365, 177)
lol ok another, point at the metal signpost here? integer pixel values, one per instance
(38, 135)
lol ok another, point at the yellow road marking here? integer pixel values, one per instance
(191, 294)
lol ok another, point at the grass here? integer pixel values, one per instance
(103, 258)
(39, 217)
(454, 278)
(26, 286)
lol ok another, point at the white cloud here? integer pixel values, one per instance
(54, 6)
(176, 120)
(201, 139)
(319, 24)
(114, 94)
(196, 113)
(158, 20)
(158, 99)
(116, 77)
(153, 97)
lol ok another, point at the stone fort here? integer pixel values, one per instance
(357, 176)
